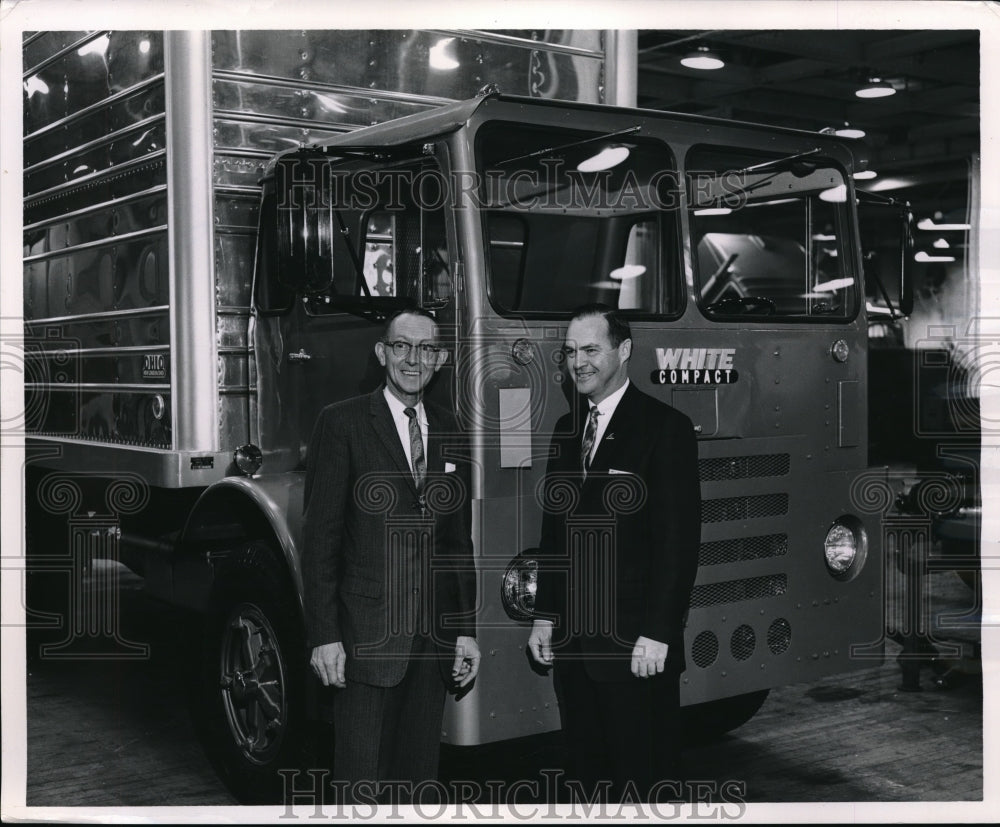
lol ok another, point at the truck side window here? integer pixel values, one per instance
(399, 245)
(380, 254)
(269, 295)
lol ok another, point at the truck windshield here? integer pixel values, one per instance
(573, 217)
(769, 236)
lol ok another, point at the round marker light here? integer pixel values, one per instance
(248, 459)
(840, 350)
(845, 547)
(522, 352)
(159, 407)
(517, 589)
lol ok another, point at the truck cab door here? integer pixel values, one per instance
(347, 255)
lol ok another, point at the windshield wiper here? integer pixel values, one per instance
(779, 163)
(629, 131)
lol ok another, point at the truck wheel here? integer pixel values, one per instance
(709, 720)
(250, 700)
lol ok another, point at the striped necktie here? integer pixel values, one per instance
(416, 449)
(589, 437)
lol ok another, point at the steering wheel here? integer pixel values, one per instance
(732, 305)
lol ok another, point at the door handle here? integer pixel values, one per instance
(301, 356)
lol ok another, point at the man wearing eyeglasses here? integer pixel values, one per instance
(617, 568)
(388, 573)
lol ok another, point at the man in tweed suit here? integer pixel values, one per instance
(616, 572)
(387, 565)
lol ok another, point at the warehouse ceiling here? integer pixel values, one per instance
(918, 140)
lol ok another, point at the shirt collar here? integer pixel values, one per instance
(397, 408)
(608, 405)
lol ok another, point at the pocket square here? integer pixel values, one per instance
(449, 467)
(618, 471)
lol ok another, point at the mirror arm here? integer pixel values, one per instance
(885, 295)
(359, 270)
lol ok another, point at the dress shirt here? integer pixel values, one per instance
(607, 410)
(397, 408)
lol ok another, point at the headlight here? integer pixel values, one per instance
(845, 547)
(517, 589)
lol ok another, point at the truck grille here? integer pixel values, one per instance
(745, 641)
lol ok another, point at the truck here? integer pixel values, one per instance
(214, 234)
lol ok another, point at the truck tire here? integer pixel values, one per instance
(703, 722)
(249, 704)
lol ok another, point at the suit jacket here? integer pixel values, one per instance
(379, 563)
(619, 548)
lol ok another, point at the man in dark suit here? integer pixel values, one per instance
(387, 566)
(618, 561)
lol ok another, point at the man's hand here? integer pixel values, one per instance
(648, 657)
(328, 662)
(540, 642)
(466, 665)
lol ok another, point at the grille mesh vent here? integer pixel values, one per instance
(734, 591)
(741, 468)
(779, 636)
(720, 552)
(705, 649)
(744, 508)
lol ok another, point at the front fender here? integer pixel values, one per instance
(241, 508)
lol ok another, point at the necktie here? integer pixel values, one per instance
(416, 448)
(589, 436)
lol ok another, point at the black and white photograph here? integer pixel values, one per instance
(497, 413)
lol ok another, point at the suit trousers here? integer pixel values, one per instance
(618, 731)
(391, 734)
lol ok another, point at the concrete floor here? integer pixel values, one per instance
(117, 733)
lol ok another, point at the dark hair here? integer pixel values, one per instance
(618, 327)
(407, 311)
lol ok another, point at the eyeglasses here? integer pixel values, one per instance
(426, 350)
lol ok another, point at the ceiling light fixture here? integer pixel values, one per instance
(875, 88)
(925, 258)
(702, 58)
(610, 156)
(865, 175)
(928, 224)
(833, 285)
(627, 271)
(848, 131)
(834, 195)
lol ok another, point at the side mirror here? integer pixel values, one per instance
(886, 229)
(304, 231)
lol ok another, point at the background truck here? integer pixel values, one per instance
(203, 273)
